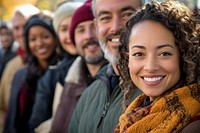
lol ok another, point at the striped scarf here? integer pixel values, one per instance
(168, 113)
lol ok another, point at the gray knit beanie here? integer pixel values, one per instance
(63, 11)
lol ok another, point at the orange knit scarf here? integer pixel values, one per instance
(169, 113)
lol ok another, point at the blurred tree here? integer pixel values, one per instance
(3, 12)
(7, 7)
(45, 4)
(50, 5)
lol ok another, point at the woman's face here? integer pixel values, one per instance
(42, 43)
(153, 58)
(63, 35)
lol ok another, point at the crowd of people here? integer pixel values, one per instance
(101, 66)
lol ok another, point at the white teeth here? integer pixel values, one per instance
(115, 40)
(152, 79)
(41, 50)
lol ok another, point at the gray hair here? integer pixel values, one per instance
(94, 2)
(93, 8)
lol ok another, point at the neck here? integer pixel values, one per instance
(114, 66)
(94, 68)
(43, 64)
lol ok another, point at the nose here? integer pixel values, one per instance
(39, 42)
(90, 33)
(117, 25)
(21, 31)
(68, 38)
(151, 64)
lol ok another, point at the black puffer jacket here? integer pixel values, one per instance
(42, 109)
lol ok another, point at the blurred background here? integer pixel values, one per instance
(7, 6)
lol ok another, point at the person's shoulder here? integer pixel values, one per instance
(21, 70)
(14, 60)
(60, 68)
(93, 91)
(103, 70)
(61, 64)
(13, 65)
(193, 127)
(56, 72)
(95, 88)
(1, 52)
(19, 74)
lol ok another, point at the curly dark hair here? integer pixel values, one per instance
(180, 21)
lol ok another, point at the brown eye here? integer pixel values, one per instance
(104, 17)
(165, 54)
(137, 54)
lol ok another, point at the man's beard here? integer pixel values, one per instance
(113, 58)
(94, 60)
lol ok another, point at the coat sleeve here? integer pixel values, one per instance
(42, 109)
(11, 116)
(75, 119)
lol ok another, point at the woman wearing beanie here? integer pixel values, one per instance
(61, 23)
(44, 108)
(40, 46)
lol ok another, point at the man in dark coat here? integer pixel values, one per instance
(6, 52)
(100, 106)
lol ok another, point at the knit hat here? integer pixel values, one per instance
(83, 13)
(63, 11)
(27, 10)
(41, 20)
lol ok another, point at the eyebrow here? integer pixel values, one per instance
(122, 10)
(165, 45)
(159, 47)
(103, 13)
(79, 26)
(127, 8)
(138, 46)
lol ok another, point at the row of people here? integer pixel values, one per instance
(154, 53)
(94, 63)
(18, 21)
(80, 74)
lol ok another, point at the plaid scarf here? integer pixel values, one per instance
(168, 113)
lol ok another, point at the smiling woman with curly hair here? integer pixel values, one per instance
(160, 55)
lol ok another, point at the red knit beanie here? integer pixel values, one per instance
(83, 13)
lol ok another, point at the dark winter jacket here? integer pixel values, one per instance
(42, 109)
(76, 81)
(5, 56)
(100, 106)
(11, 119)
